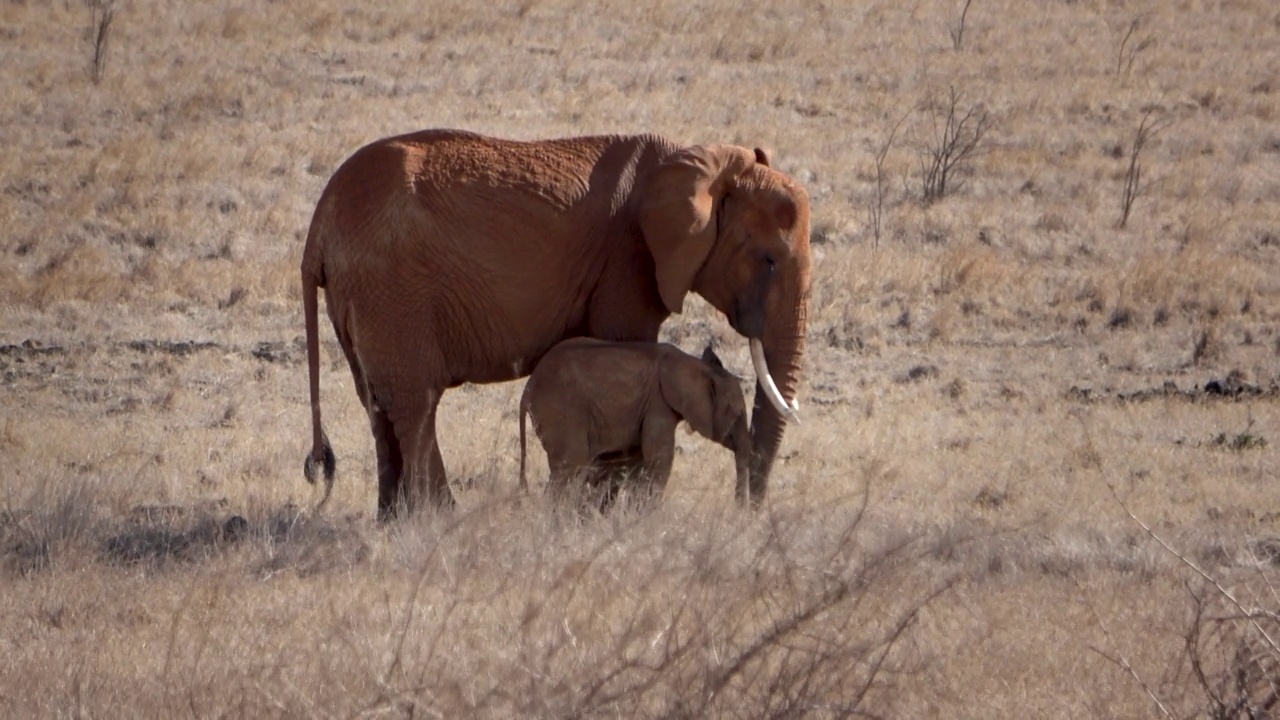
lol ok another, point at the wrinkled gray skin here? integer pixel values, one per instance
(592, 400)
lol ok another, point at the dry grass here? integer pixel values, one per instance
(940, 540)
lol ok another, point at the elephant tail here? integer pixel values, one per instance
(321, 450)
(524, 410)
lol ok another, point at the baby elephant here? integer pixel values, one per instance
(590, 398)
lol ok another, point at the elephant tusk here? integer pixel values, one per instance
(788, 410)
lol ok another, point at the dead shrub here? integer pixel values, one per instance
(957, 135)
(102, 14)
(785, 615)
(1230, 661)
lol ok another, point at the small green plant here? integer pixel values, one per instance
(1239, 441)
(1247, 440)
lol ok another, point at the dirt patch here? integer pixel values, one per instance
(177, 348)
(28, 359)
(1228, 388)
(279, 351)
(158, 534)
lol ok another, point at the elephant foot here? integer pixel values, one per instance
(610, 474)
(605, 493)
(444, 499)
(440, 501)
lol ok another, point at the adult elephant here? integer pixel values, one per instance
(449, 257)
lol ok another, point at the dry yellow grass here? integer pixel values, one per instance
(941, 537)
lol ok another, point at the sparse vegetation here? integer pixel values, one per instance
(1131, 47)
(1133, 187)
(876, 212)
(956, 30)
(940, 539)
(1229, 666)
(956, 136)
(102, 14)
(1247, 439)
(1233, 656)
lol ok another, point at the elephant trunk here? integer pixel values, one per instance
(783, 353)
(741, 444)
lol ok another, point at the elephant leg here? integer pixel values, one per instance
(569, 460)
(345, 342)
(423, 476)
(558, 483)
(601, 484)
(438, 492)
(386, 445)
(657, 446)
(619, 475)
(390, 464)
(610, 472)
(568, 483)
(410, 468)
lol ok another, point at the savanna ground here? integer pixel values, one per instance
(995, 374)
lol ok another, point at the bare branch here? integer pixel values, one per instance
(102, 14)
(1127, 53)
(1133, 187)
(958, 134)
(1123, 663)
(1250, 614)
(957, 30)
(877, 205)
(1119, 660)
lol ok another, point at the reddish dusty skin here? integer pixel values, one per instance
(447, 257)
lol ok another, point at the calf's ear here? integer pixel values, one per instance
(709, 357)
(689, 391)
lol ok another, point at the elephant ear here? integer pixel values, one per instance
(690, 391)
(677, 212)
(709, 357)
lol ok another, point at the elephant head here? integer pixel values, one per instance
(709, 399)
(720, 221)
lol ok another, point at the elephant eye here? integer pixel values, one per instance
(769, 262)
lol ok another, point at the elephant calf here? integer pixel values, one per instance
(591, 399)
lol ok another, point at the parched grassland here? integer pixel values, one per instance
(995, 375)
